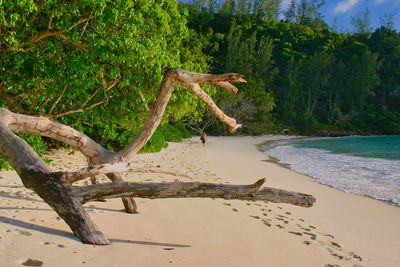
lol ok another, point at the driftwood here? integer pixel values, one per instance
(57, 189)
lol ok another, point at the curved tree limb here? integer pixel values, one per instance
(19, 123)
(231, 122)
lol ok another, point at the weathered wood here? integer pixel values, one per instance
(129, 202)
(231, 122)
(193, 190)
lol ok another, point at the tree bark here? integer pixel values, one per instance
(193, 190)
(56, 188)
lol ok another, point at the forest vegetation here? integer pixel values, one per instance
(96, 65)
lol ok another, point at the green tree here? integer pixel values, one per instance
(92, 64)
(386, 43)
(305, 12)
(227, 7)
(212, 6)
(336, 92)
(362, 22)
(291, 90)
(387, 19)
(253, 58)
(290, 13)
(353, 72)
(362, 71)
(243, 7)
(316, 74)
(267, 9)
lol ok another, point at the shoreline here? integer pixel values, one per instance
(263, 147)
(341, 228)
(270, 145)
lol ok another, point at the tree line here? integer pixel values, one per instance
(302, 74)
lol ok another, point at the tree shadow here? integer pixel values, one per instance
(105, 209)
(149, 243)
(51, 231)
(23, 208)
(39, 228)
(19, 196)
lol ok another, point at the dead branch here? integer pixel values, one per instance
(192, 190)
(57, 100)
(231, 122)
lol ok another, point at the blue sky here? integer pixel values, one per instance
(345, 9)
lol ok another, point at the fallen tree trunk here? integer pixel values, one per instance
(56, 188)
(193, 190)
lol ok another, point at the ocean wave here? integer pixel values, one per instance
(374, 177)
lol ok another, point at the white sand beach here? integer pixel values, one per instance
(339, 230)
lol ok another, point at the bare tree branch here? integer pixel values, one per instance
(144, 100)
(57, 100)
(231, 122)
(192, 189)
(19, 123)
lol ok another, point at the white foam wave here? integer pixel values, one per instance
(377, 178)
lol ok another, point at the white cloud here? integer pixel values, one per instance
(346, 5)
(377, 2)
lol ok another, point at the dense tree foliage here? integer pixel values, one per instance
(96, 65)
(310, 79)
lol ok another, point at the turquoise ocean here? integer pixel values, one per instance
(363, 165)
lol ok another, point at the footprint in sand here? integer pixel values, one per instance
(324, 240)
(26, 233)
(52, 243)
(295, 233)
(312, 236)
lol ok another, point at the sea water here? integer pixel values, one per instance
(364, 165)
